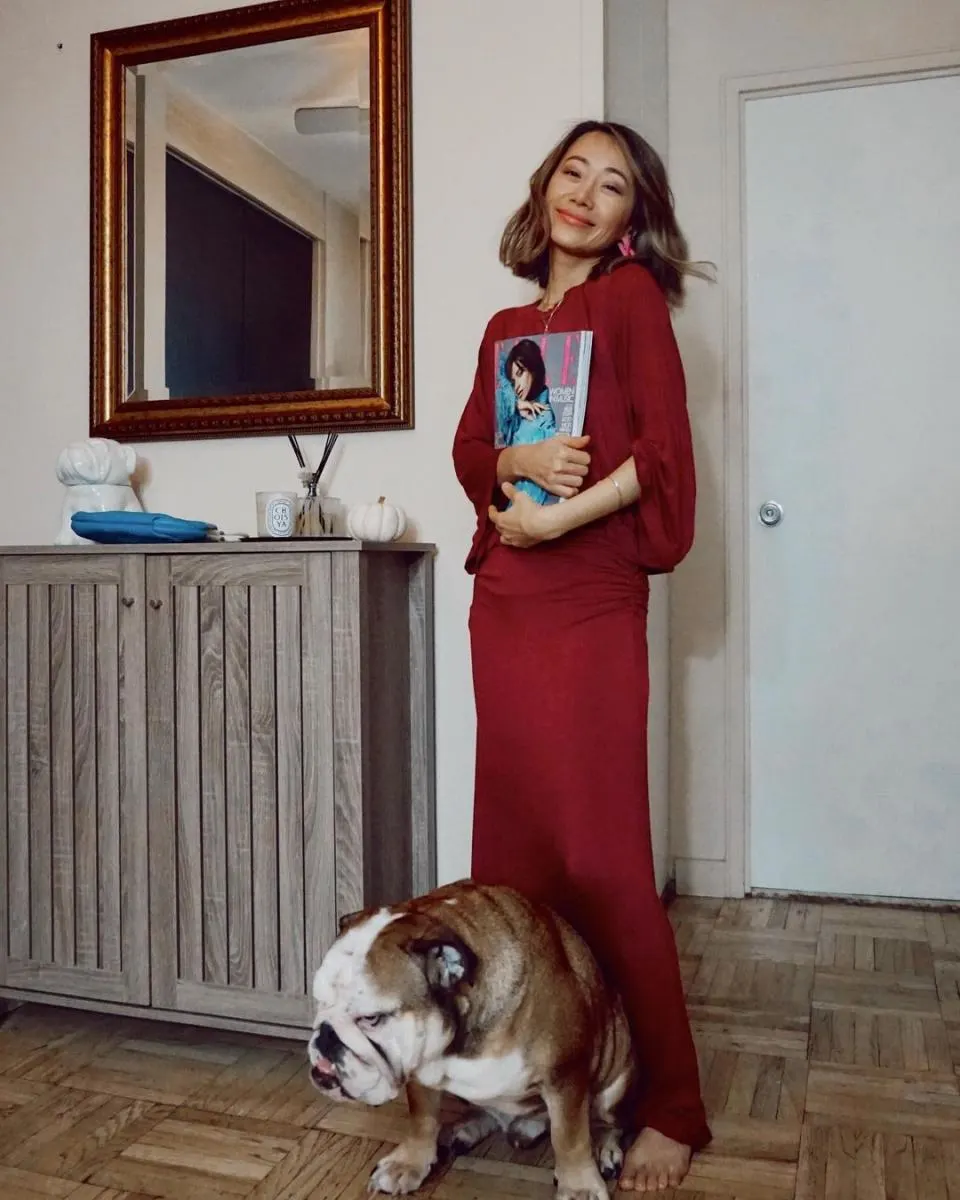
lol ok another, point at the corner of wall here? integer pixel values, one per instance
(635, 92)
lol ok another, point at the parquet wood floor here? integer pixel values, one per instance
(829, 1040)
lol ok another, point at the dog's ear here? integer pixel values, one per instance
(348, 920)
(447, 960)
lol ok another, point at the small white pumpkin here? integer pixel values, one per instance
(380, 522)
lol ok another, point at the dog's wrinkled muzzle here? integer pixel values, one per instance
(345, 1065)
(323, 1074)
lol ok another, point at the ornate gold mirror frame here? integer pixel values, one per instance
(379, 399)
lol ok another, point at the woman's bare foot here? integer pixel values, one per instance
(654, 1162)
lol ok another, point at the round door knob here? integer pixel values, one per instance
(771, 513)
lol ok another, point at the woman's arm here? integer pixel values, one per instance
(558, 464)
(475, 460)
(662, 446)
(508, 464)
(614, 491)
(526, 523)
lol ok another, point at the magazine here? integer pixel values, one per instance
(541, 390)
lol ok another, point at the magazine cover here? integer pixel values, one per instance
(541, 390)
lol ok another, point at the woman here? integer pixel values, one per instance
(560, 599)
(529, 417)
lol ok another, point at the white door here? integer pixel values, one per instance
(852, 202)
(815, 663)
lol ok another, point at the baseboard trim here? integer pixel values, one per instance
(939, 906)
(288, 1033)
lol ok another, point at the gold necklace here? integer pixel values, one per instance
(549, 313)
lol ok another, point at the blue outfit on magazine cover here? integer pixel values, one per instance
(535, 429)
(524, 431)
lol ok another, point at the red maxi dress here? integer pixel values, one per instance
(561, 679)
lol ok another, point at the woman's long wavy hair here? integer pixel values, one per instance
(658, 243)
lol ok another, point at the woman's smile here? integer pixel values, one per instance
(572, 219)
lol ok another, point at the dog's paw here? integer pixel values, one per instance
(585, 1184)
(402, 1171)
(467, 1134)
(524, 1132)
(591, 1193)
(609, 1153)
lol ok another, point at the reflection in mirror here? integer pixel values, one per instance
(248, 267)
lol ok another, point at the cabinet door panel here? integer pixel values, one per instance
(73, 880)
(242, 796)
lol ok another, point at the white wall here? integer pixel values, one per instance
(484, 113)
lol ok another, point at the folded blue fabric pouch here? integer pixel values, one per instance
(138, 527)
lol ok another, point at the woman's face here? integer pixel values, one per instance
(590, 197)
(522, 381)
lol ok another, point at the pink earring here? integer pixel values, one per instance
(625, 246)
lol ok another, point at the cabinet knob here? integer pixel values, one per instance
(156, 604)
(127, 601)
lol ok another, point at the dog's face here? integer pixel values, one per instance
(390, 993)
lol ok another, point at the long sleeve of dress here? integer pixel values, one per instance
(474, 454)
(662, 445)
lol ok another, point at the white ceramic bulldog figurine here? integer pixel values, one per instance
(474, 991)
(96, 474)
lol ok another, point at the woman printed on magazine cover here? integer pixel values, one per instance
(531, 417)
(560, 599)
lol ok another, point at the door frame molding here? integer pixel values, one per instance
(737, 92)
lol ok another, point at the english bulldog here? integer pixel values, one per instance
(476, 992)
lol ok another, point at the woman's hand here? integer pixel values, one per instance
(558, 464)
(524, 523)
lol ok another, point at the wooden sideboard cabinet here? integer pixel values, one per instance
(208, 754)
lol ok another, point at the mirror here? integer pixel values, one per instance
(248, 183)
(251, 222)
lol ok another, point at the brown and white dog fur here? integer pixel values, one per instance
(477, 992)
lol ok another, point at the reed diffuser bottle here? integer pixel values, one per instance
(312, 517)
